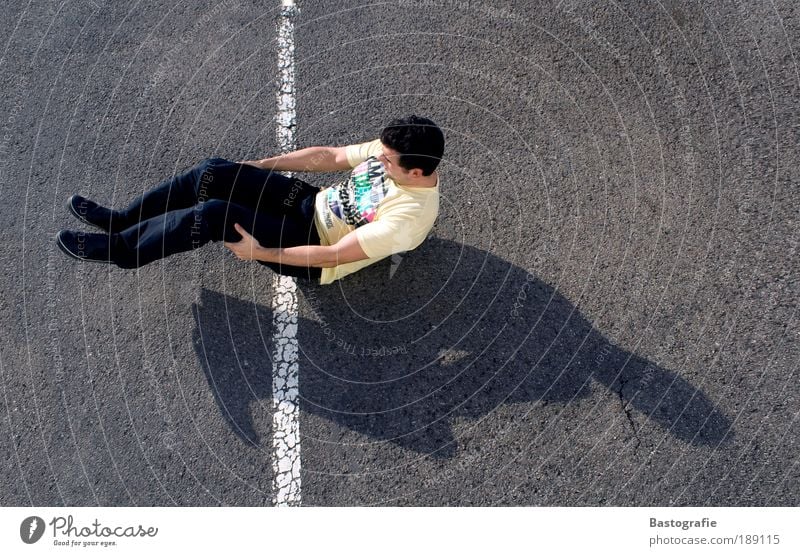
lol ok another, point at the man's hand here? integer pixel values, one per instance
(247, 248)
(346, 250)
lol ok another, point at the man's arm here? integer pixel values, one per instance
(310, 159)
(346, 250)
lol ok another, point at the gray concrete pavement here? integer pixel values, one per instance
(605, 313)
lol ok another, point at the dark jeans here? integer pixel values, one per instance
(202, 204)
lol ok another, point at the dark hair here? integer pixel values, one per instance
(419, 141)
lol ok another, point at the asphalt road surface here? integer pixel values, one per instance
(604, 314)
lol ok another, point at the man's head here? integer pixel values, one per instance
(413, 147)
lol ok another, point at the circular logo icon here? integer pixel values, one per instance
(32, 529)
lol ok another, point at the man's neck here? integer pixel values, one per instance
(424, 181)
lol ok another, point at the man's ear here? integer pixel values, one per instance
(415, 173)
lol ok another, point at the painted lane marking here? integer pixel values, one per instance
(286, 411)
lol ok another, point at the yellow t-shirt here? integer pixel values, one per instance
(388, 218)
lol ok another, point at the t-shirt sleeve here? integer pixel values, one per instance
(356, 154)
(385, 236)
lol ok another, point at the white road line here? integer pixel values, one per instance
(286, 412)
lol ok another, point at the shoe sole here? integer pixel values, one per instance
(72, 255)
(80, 217)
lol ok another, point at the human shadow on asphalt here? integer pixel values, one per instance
(454, 333)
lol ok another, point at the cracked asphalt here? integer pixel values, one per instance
(605, 313)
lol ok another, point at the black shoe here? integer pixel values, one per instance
(85, 246)
(95, 215)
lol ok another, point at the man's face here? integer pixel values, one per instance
(389, 158)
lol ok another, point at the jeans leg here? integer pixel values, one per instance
(190, 228)
(218, 178)
(177, 192)
(260, 190)
(307, 235)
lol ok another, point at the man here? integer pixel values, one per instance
(387, 206)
